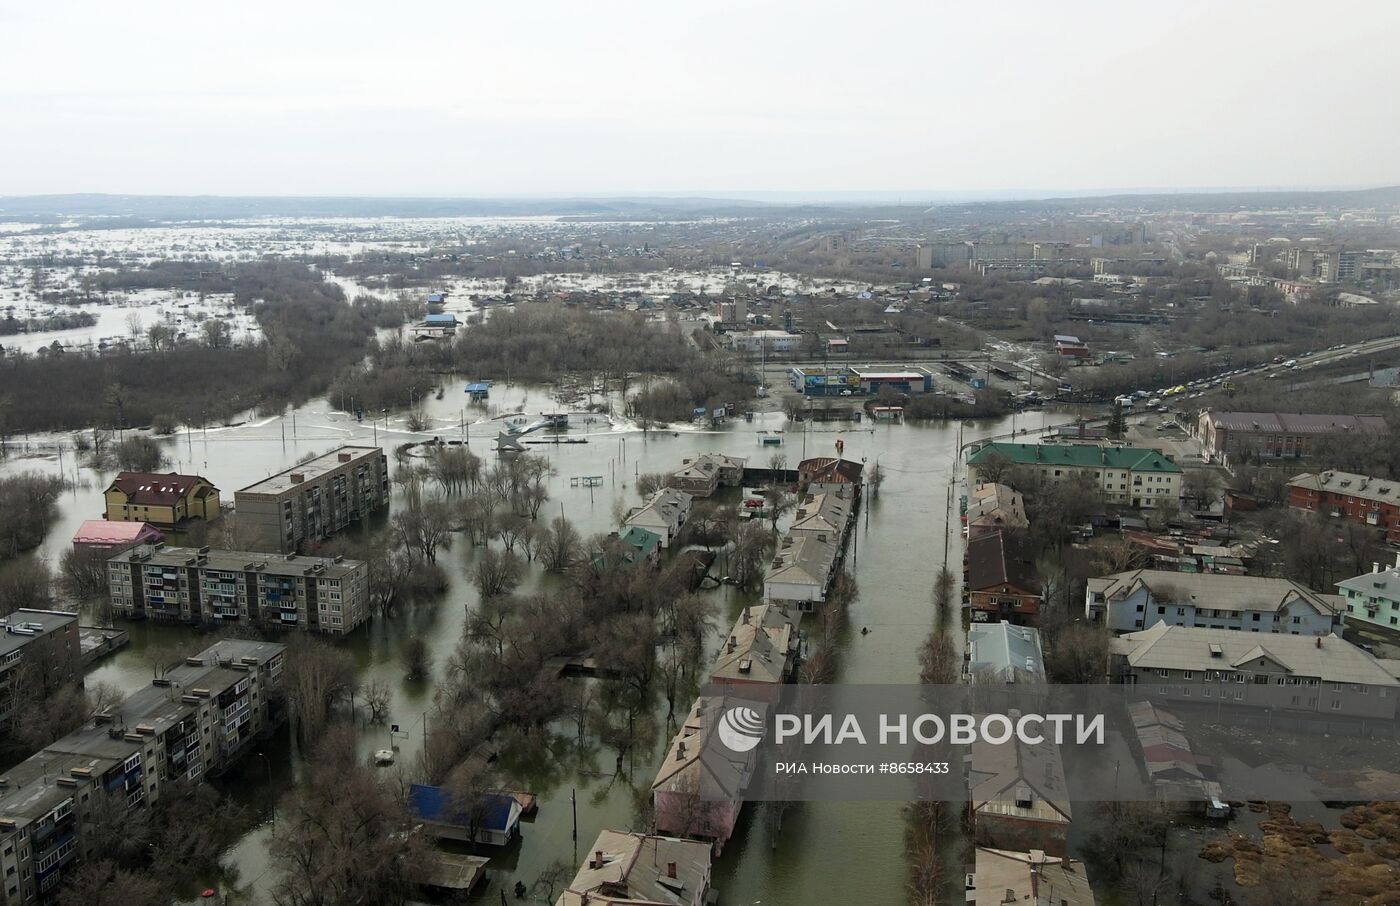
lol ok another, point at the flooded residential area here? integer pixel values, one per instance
(656, 455)
(584, 777)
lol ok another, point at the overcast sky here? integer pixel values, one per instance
(505, 97)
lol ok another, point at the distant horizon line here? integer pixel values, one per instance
(790, 196)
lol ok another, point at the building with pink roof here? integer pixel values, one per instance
(113, 537)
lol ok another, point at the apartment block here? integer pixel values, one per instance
(39, 651)
(196, 720)
(1277, 435)
(1347, 495)
(1142, 598)
(1373, 598)
(312, 501)
(203, 586)
(1128, 476)
(1323, 674)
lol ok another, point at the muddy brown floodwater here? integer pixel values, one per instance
(827, 851)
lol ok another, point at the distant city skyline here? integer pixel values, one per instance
(809, 101)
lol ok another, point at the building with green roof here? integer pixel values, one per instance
(1127, 476)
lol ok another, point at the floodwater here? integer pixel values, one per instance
(827, 851)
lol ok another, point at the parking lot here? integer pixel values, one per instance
(1145, 431)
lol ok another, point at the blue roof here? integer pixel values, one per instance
(440, 319)
(479, 387)
(434, 297)
(433, 803)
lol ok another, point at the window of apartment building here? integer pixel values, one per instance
(1181, 611)
(1336, 704)
(1188, 674)
(1163, 672)
(1161, 611)
(1254, 617)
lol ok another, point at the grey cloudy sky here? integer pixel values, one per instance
(505, 97)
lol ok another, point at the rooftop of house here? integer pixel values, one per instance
(1295, 422)
(685, 771)
(1379, 583)
(996, 503)
(1214, 591)
(155, 489)
(1018, 780)
(666, 507)
(1350, 484)
(103, 531)
(642, 539)
(1009, 652)
(759, 647)
(822, 512)
(708, 465)
(1135, 459)
(805, 558)
(640, 869)
(285, 565)
(493, 811)
(1000, 558)
(26, 624)
(830, 470)
(311, 470)
(1326, 658)
(1032, 878)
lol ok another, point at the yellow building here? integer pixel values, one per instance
(168, 501)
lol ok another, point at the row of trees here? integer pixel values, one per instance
(309, 335)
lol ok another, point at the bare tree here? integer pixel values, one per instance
(318, 677)
(559, 545)
(139, 453)
(497, 573)
(344, 836)
(417, 658)
(377, 699)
